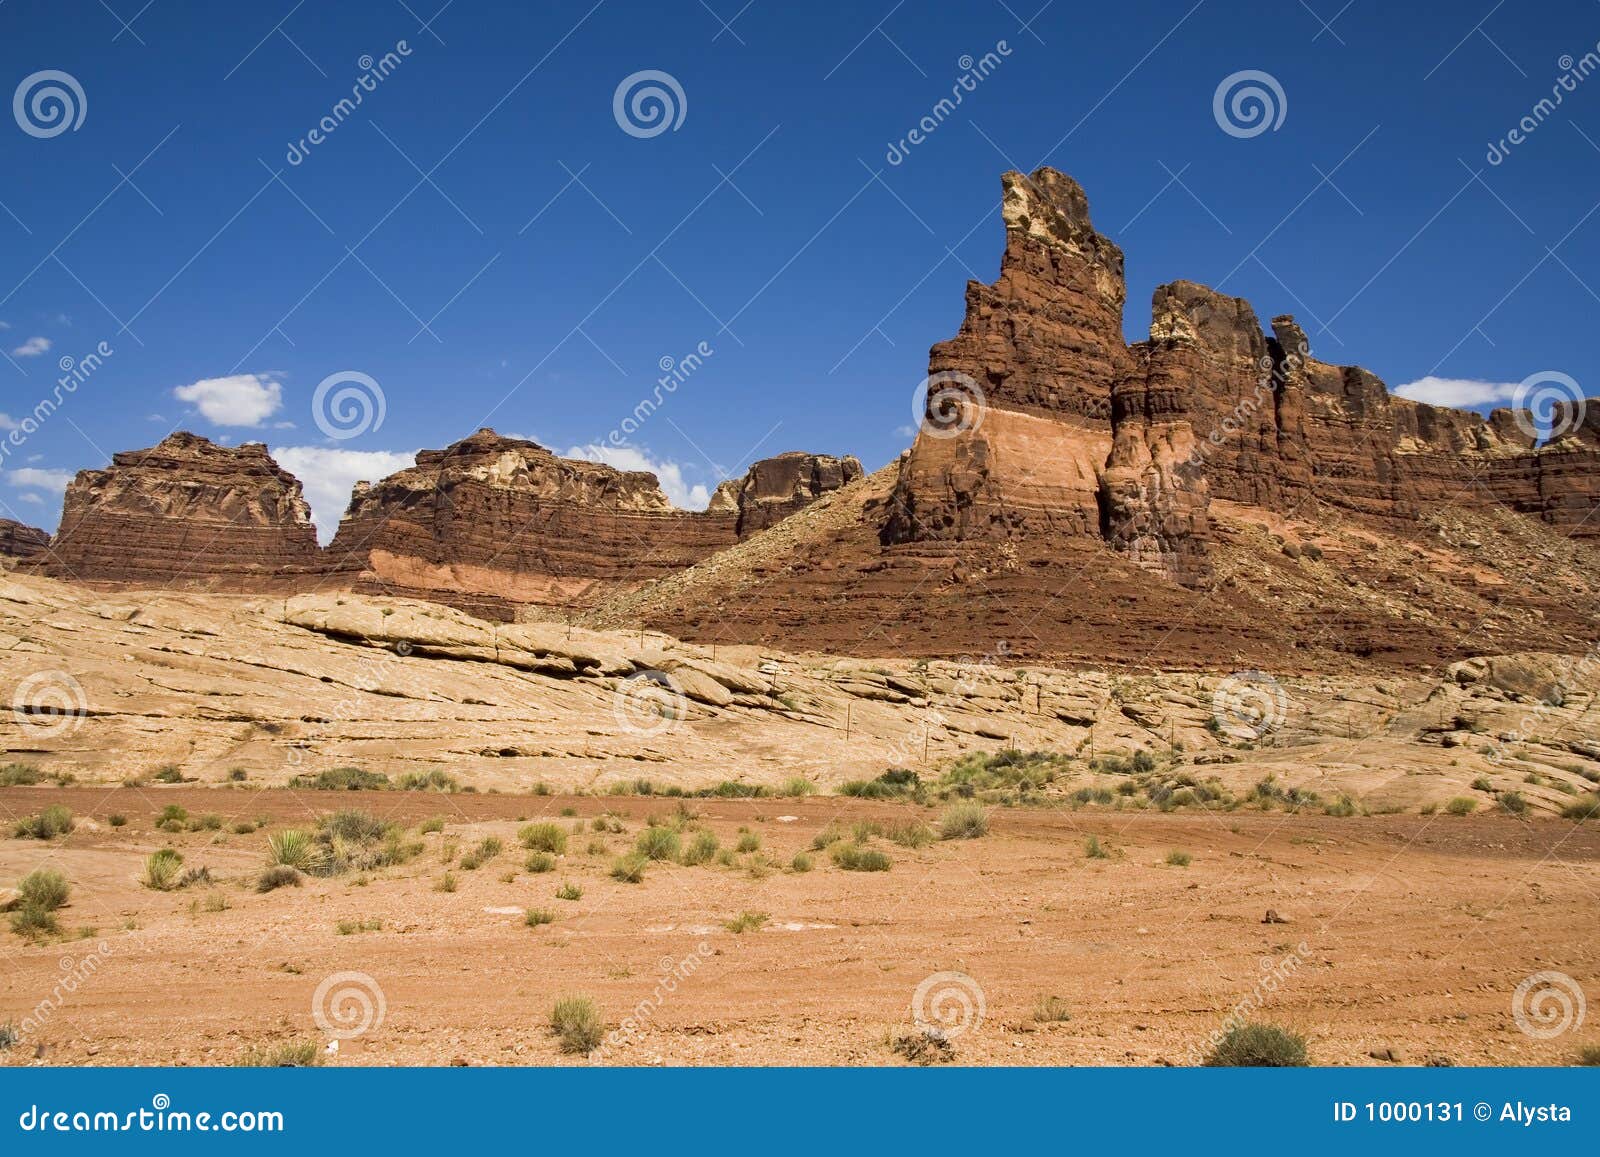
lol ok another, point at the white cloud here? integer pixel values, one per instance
(1462, 393)
(31, 499)
(32, 348)
(5, 325)
(54, 481)
(239, 400)
(7, 422)
(329, 475)
(668, 473)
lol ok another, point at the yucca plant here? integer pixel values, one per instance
(161, 869)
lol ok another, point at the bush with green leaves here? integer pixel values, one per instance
(569, 891)
(343, 779)
(488, 848)
(1051, 1010)
(277, 876)
(964, 821)
(896, 783)
(544, 837)
(286, 1055)
(629, 869)
(702, 849)
(909, 833)
(1179, 859)
(576, 1023)
(797, 786)
(540, 862)
(161, 869)
(434, 780)
(1093, 849)
(20, 775)
(1256, 1044)
(1583, 809)
(44, 888)
(856, 858)
(55, 820)
(537, 916)
(748, 841)
(658, 844)
(800, 863)
(746, 921)
(1461, 806)
(1513, 803)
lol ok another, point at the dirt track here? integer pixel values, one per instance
(1404, 933)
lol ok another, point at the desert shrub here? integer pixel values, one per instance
(206, 823)
(1513, 802)
(431, 825)
(9, 1036)
(863, 830)
(117, 820)
(1482, 783)
(1584, 809)
(658, 844)
(447, 883)
(168, 773)
(576, 1022)
(20, 775)
(540, 862)
(745, 921)
(1589, 1055)
(1258, 1045)
(53, 821)
(292, 848)
(351, 927)
(910, 834)
(1010, 769)
(1093, 849)
(243, 828)
(797, 786)
(855, 858)
(1343, 808)
(828, 836)
(964, 821)
(1461, 806)
(1179, 859)
(161, 869)
(569, 891)
(277, 876)
(34, 923)
(896, 783)
(544, 837)
(726, 858)
(537, 916)
(1143, 761)
(597, 848)
(701, 850)
(629, 869)
(434, 780)
(44, 888)
(195, 876)
(237, 775)
(1051, 1010)
(728, 789)
(343, 779)
(924, 1046)
(748, 842)
(800, 863)
(286, 1055)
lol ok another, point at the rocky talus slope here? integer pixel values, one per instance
(294, 685)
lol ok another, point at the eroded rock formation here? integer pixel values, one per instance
(185, 513)
(19, 541)
(774, 488)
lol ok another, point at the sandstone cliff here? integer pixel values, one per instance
(185, 513)
(18, 541)
(491, 522)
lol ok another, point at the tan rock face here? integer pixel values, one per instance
(774, 488)
(185, 513)
(20, 541)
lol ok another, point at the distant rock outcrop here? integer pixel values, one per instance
(18, 541)
(185, 513)
(491, 522)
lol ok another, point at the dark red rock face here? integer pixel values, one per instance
(185, 513)
(19, 541)
(1078, 434)
(491, 522)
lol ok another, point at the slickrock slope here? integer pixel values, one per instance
(492, 522)
(18, 541)
(185, 513)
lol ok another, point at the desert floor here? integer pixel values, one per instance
(1402, 933)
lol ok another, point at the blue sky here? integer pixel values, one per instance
(483, 241)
